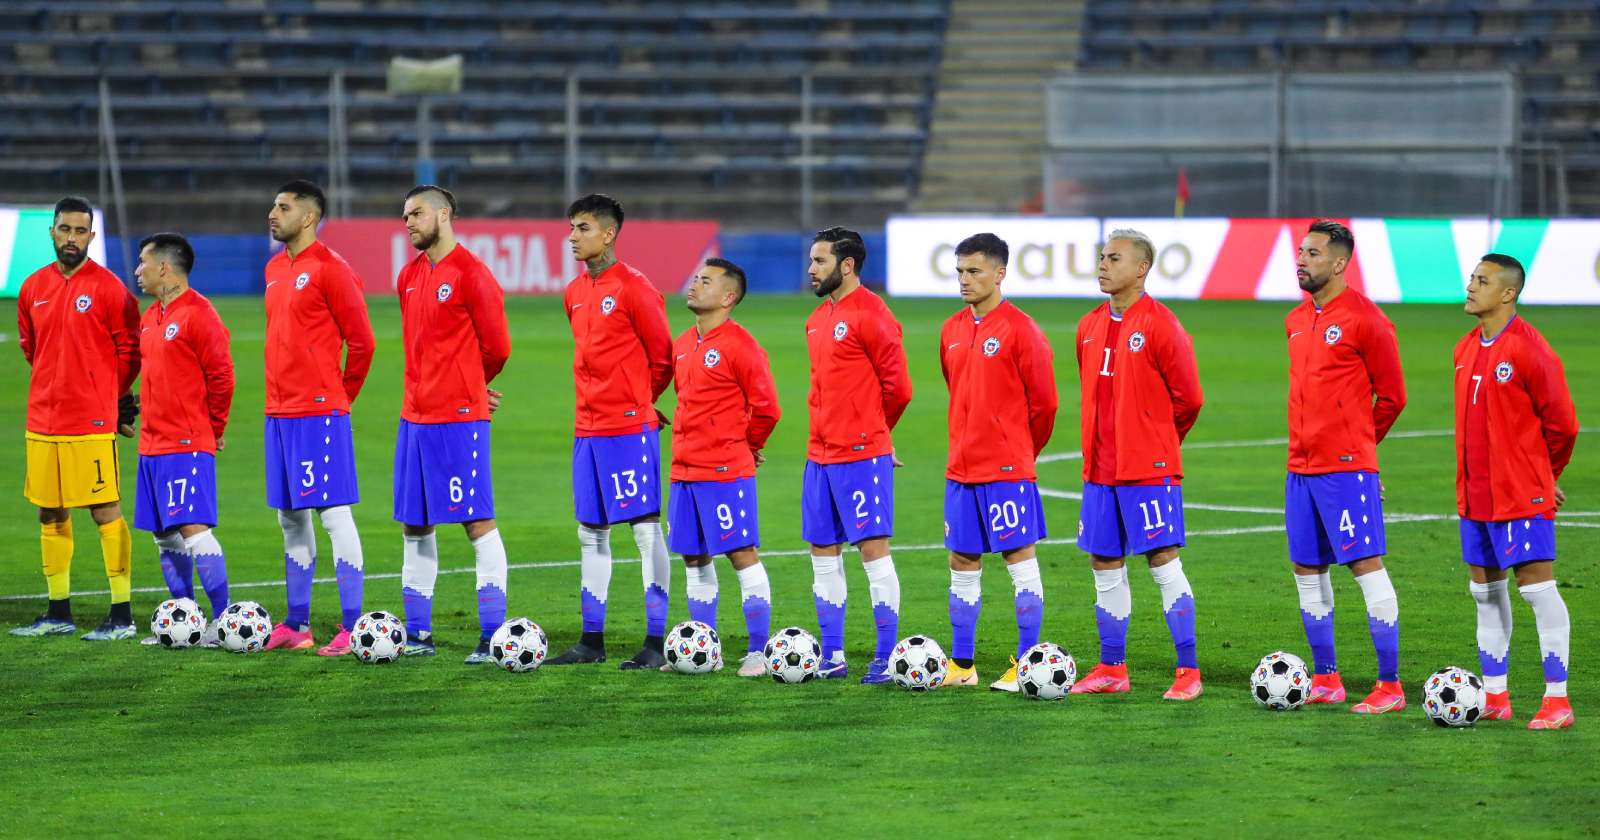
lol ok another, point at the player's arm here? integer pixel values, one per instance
(342, 288)
(124, 328)
(1552, 404)
(25, 337)
(1036, 364)
(1381, 352)
(216, 365)
(886, 350)
(1176, 362)
(648, 309)
(760, 395)
(486, 306)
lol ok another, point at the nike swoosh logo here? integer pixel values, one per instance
(308, 492)
(273, 283)
(624, 504)
(681, 355)
(40, 302)
(1347, 546)
(727, 535)
(409, 288)
(953, 346)
(1293, 334)
(1458, 367)
(861, 524)
(810, 331)
(455, 508)
(1150, 535)
(1510, 549)
(143, 330)
(1007, 535)
(575, 306)
(1086, 341)
(173, 511)
(96, 490)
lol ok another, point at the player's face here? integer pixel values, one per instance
(72, 234)
(979, 277)
(825, 271)
(1487, 289)
(149, 271)
(287, 217)
(589, 237)
(422, 222)
(1121, 266)
(1316, 263)
(709, 291)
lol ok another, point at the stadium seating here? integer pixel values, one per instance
(689, 110)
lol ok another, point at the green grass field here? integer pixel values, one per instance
(117, 738)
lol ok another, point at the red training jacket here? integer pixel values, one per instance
(859, 382)
(1155, 388)
(727, 404)
(453, 324)
(81, 336)
(1345, 384)
(1532, 423)
(314, 308)
(622, 354)
(188, 376)
(1002, 394)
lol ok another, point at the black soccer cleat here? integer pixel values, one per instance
(647, 659)
(579, 654)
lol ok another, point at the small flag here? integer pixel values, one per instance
(1183, 193)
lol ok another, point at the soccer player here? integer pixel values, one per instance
(188, 390)
(727, 408)
(859, 389)
(1140, 391)
(1345, 392)
(997, 365)
(1515, 429)
(453, 326)
(77, 326)
(315, 314)
(621, 364)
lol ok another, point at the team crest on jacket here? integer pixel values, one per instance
(301, 281)
(1136, 341)
(840, 330)
(1502, 372)
(170, 332)
(1332, 334)
(607, 304)
(83, 303)
(712, 357)
(444, 292)
(991, 346)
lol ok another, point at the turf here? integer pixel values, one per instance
(114, 737)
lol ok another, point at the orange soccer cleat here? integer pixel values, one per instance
(1185, 685)
(1385, 697)
(1496, 706)
(1554, 713)
(1104, 679)
(1326, 688)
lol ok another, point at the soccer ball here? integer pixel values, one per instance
(1453, 697)
(1046, 672)
(918, 664)
(1281, 682)
(178, 623)
(243, 627)
(792, 656)
(378, 637)
(519, 645)
(694, 647)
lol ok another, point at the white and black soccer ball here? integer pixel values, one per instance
(1280, 682)
(693, 647)
(918, 664)
(377, 637)
(1046, 672)
(792, 656)
(244, 627)
(178, 623)
(1453, 697)
(519, 645)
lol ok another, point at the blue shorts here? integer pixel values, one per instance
(1506, 545)
(1123, 519)
(441, 473)
(712, 517)
(994, 517)
(1333, 518)
(311, 462)
(616, 478)
(176, 489)
(860, 493)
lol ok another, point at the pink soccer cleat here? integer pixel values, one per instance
(287, 638)
(1497, 706)
(1554, 713)
(1104, 679)
(1326, 688)
(339, 646)
(1185, 685)
(1385, 697)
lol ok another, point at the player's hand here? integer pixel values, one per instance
(127, 413)
(1561, 497)
(760, 459)
(895, 459)
(662, 418)
(221, 444)
(494, 400)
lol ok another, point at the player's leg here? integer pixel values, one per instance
(190, 480)
(1154, 522)
(291, 472)
(489, 552)
(686, 539)
(1383, 622)
(965, 537)
(594, 553)
(1311, 555)
(90, 476)
(337, 492)
(655, 565)
(1349, 506)
(1534, 541)
(883, 582)
(1027, 589)
(729, 520)
(211, 565)
(42, 486)
(419, 558)
(1491, 594)
(755, 600)
(820, 526)
(1014, 521)
(1101, 535)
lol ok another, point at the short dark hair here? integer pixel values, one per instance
(73, 204)
(847, 244)
(300, 188)
(986, 244)
(449, 197)
(1510, 263)
(171, 247)
(732, 269)
(600, 206)
(1337, 234)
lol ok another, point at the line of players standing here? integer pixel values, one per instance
(1139, 390)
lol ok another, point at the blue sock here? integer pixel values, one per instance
(1383, 620)
(213, 568)
(352, 584)
(702, 594)
(655, 611)
(755, 593)
(888, 622)
(1028, 596)
(966, 602)
(1113, 606)
(491, 609)
(177, 565)
(1316, 614)
(298, 579)
(1177, 605)
(419, 612)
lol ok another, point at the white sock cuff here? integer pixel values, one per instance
(1536, 588)
(1106, 580)
(490, 538)
(1376, 586)
(1166, 573)
(594, 537)
(333, 517)
(822, 564)
(201, 541)
(968, 586)
(753, 583)
(1025, 576)
(879, 570)
(173, 541)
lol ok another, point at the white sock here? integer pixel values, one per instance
(1379, 592)
(827, 578)
(1172, 582)
(1555, 629)
(700, 582)
(1112, 593)
(1494, 626)
(340, 524)
(490, 552)
(1316, 594)
(654, 564)
(968, 586)
(299, 541)
(883, 585)
(173, 541)
(419, 564)
(1025, 577)
(753, 583)
(594, 561)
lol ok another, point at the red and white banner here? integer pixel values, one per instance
(527, 256)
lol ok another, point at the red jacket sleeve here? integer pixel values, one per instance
(1381, 351)
(25, 326)
(488, 310)
(349, 308)
(649, 310)
(216, 364)
(125, 337)
(761, 395)
(1176, 361)
(1036, 363)
(1552, 402)
(887, 352)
